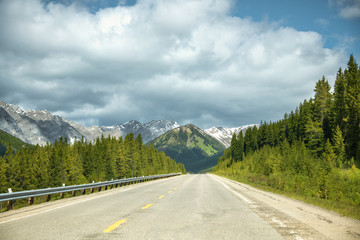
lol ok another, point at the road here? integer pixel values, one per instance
(201, 206)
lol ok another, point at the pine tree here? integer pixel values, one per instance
(338, 108)
(314, 136)
(352, 127)
(120, 159)
(57, 174)
(322, 104)
(129, 153)
(263, 135)
(13, 169)
(4, 183)
(141, 164)
(41, 166)
(322, 99)
(339, 147)
(235, 149)
(241, 144)
(74, 168)
(26, 171)
(247, 141)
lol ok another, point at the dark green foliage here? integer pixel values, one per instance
(237, 147)
(338, 107)
(9, 140)
(352, 105)
(339, 148)
(313, 151)
(62, 163)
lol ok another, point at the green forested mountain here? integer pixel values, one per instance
(313, 151)
(7, 139)
(191, 146)
(84, 162)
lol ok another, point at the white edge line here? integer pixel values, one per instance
(281, 224)
(236, 193)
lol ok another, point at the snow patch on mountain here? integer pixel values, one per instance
(224, 135)
(40, 127)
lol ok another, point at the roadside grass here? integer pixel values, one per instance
(343, 208)
(207, 170)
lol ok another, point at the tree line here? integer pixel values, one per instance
(61, 163)
(314, 150)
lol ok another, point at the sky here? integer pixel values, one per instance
(207, 62)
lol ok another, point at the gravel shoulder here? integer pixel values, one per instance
(295, 219)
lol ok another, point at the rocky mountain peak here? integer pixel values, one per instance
(224, 135)
(40, 127)
(11, 108)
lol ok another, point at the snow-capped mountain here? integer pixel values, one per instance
(224, 135)
(148, 131)
(40, 127)
(34, 127)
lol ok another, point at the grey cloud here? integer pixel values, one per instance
(348, 9)
(149, 62)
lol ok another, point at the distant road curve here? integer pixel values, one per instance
(201, 206)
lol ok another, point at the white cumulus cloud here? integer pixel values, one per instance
(187, 60)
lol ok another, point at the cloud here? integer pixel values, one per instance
(323, 23)
(187, 60)
(350, 12)
(348, 9)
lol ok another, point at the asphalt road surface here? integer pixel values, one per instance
(201, 206)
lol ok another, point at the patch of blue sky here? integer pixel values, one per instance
(306, 15)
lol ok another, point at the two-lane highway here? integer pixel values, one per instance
(185, 207)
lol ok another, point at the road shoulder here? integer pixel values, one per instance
(295, 219)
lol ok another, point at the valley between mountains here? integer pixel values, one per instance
(198, 149)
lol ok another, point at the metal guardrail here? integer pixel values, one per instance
(30, 194)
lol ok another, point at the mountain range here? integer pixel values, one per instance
(196, 148)
(190, 145)
(40, 127)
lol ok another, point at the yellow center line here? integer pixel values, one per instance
(169, 191)
(161, 196)
(115, 225)
(175, 188)
(147, 206)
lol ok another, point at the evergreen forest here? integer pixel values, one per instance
(61, 163)
(313, 151)
(7, 139)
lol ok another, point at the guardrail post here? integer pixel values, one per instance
(48, 197)
(99, 189)
(106, 187)
(31, 200)
(74, 193)
(62, 195)
(92, 190)
(83, 191)
(9, 205)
